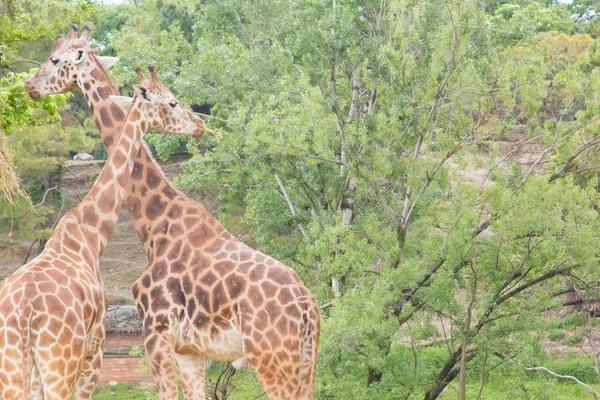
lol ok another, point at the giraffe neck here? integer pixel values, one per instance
(98, 213)
(148, 188)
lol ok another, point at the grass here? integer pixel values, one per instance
(534, 385)
(245, 387)
(535, 389)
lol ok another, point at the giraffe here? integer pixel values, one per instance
(53, 309)
(204, 294)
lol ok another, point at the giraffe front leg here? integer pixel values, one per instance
(191, 375)
(160, 351)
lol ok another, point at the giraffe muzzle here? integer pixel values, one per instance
(34, 94)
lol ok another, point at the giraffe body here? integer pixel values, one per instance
(203, 294)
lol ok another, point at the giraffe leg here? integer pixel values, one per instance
(59, 375)
(90, 371)
(191, 375)
(277, 369)
(160, 353)
(36, 391)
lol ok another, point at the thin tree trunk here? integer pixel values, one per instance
(290, 204)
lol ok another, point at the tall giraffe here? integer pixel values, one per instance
(204, 294)
(53, 309)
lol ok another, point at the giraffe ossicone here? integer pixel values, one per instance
(53, 309)
(204, 294)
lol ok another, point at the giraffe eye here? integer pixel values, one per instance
(173, 104)
(80, 52)
(54, 60)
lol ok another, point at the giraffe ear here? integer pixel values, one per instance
(107, 62)
(123, 102)
(143, 93)
(80, 55)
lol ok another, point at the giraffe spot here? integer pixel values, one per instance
(108, 142)
(175, 211)
(135, 290)
(143, 191)
(208, 279)
(169, 192)
(185, 254)
(293, 326)
(269, 289)
(177, 267)
(148, 321)
(143, 233)
(71, 244)
(106, 201)
(162, 246)
(155, 207)
(146, 281)
(245, 255)
(221, 322)
(159, 302)
(97, 99)
(215, 245)
(282, 356)
(218, 297)
(152, 178)
(104, 92)
(104, 117)
(96, 75)
(293, 311)
(106, 228)
(285, 296)
(176, 230)
(235, 286)
(191, 307)
(151, 343)
(91, 105)
(134, 115)
(280, 276)
(273, 309)
(137, 171)
(224, 267)
(86, 86)
(144, 300)
(161, 227)
(226, 313)
(202, 298)
(201, 320)
(260, 323)
(255, 296)
(176, 291)
(132, 188)
(264, 346)
(159, 271)
(161, 323)
(189, 222)
(257, 273)
(118, 158)
(187, 284)
(174, 252)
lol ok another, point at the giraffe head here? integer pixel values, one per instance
(70, 58)
(158, 107)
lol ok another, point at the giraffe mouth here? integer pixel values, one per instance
(33, 94)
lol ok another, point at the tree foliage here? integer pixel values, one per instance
(429, 168)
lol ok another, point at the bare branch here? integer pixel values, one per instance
(544, 369)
